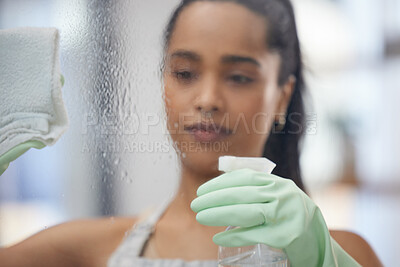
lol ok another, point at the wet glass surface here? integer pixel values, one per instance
(116, 158)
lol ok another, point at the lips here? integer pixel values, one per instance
(207, 132)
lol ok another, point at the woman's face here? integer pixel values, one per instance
(221, 84)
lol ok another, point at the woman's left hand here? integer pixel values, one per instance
(269, 210)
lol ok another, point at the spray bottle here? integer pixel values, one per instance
(259, 255)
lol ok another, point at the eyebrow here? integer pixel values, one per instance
(228, 59)
(186, 54)
(240, 59)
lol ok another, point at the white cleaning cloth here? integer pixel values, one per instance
(31, 105)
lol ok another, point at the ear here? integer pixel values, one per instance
(286, 92)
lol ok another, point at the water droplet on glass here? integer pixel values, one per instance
(116, 161)
(183, 155)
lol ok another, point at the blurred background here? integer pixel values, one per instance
(116, 159)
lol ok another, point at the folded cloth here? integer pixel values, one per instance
(31, 104)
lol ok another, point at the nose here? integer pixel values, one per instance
(209, 99)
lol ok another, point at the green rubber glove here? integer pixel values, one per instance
(20, 149)
(271, 210)
(16, 152)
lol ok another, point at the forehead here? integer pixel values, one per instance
(220, 27)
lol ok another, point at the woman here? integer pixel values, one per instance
(233, 77)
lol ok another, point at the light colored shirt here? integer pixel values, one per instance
(128, 252)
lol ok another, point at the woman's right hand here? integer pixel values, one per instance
(269, 210)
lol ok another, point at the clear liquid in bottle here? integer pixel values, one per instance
(259, 255)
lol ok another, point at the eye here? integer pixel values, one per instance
(240, 79)
(183, 75)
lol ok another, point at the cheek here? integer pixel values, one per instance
(171, 107)
(266, 118)
(176, 107)
(255, 114)
(173, 100)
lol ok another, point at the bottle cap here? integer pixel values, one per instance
(231, 163)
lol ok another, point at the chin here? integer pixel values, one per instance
(202, 162)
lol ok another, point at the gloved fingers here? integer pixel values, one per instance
(245, 215)
(233, 196)
(35, 144)
(16, 152)
(234, 238)
(241, 177)
(248, 236)
(3, 167)
(62, 79)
